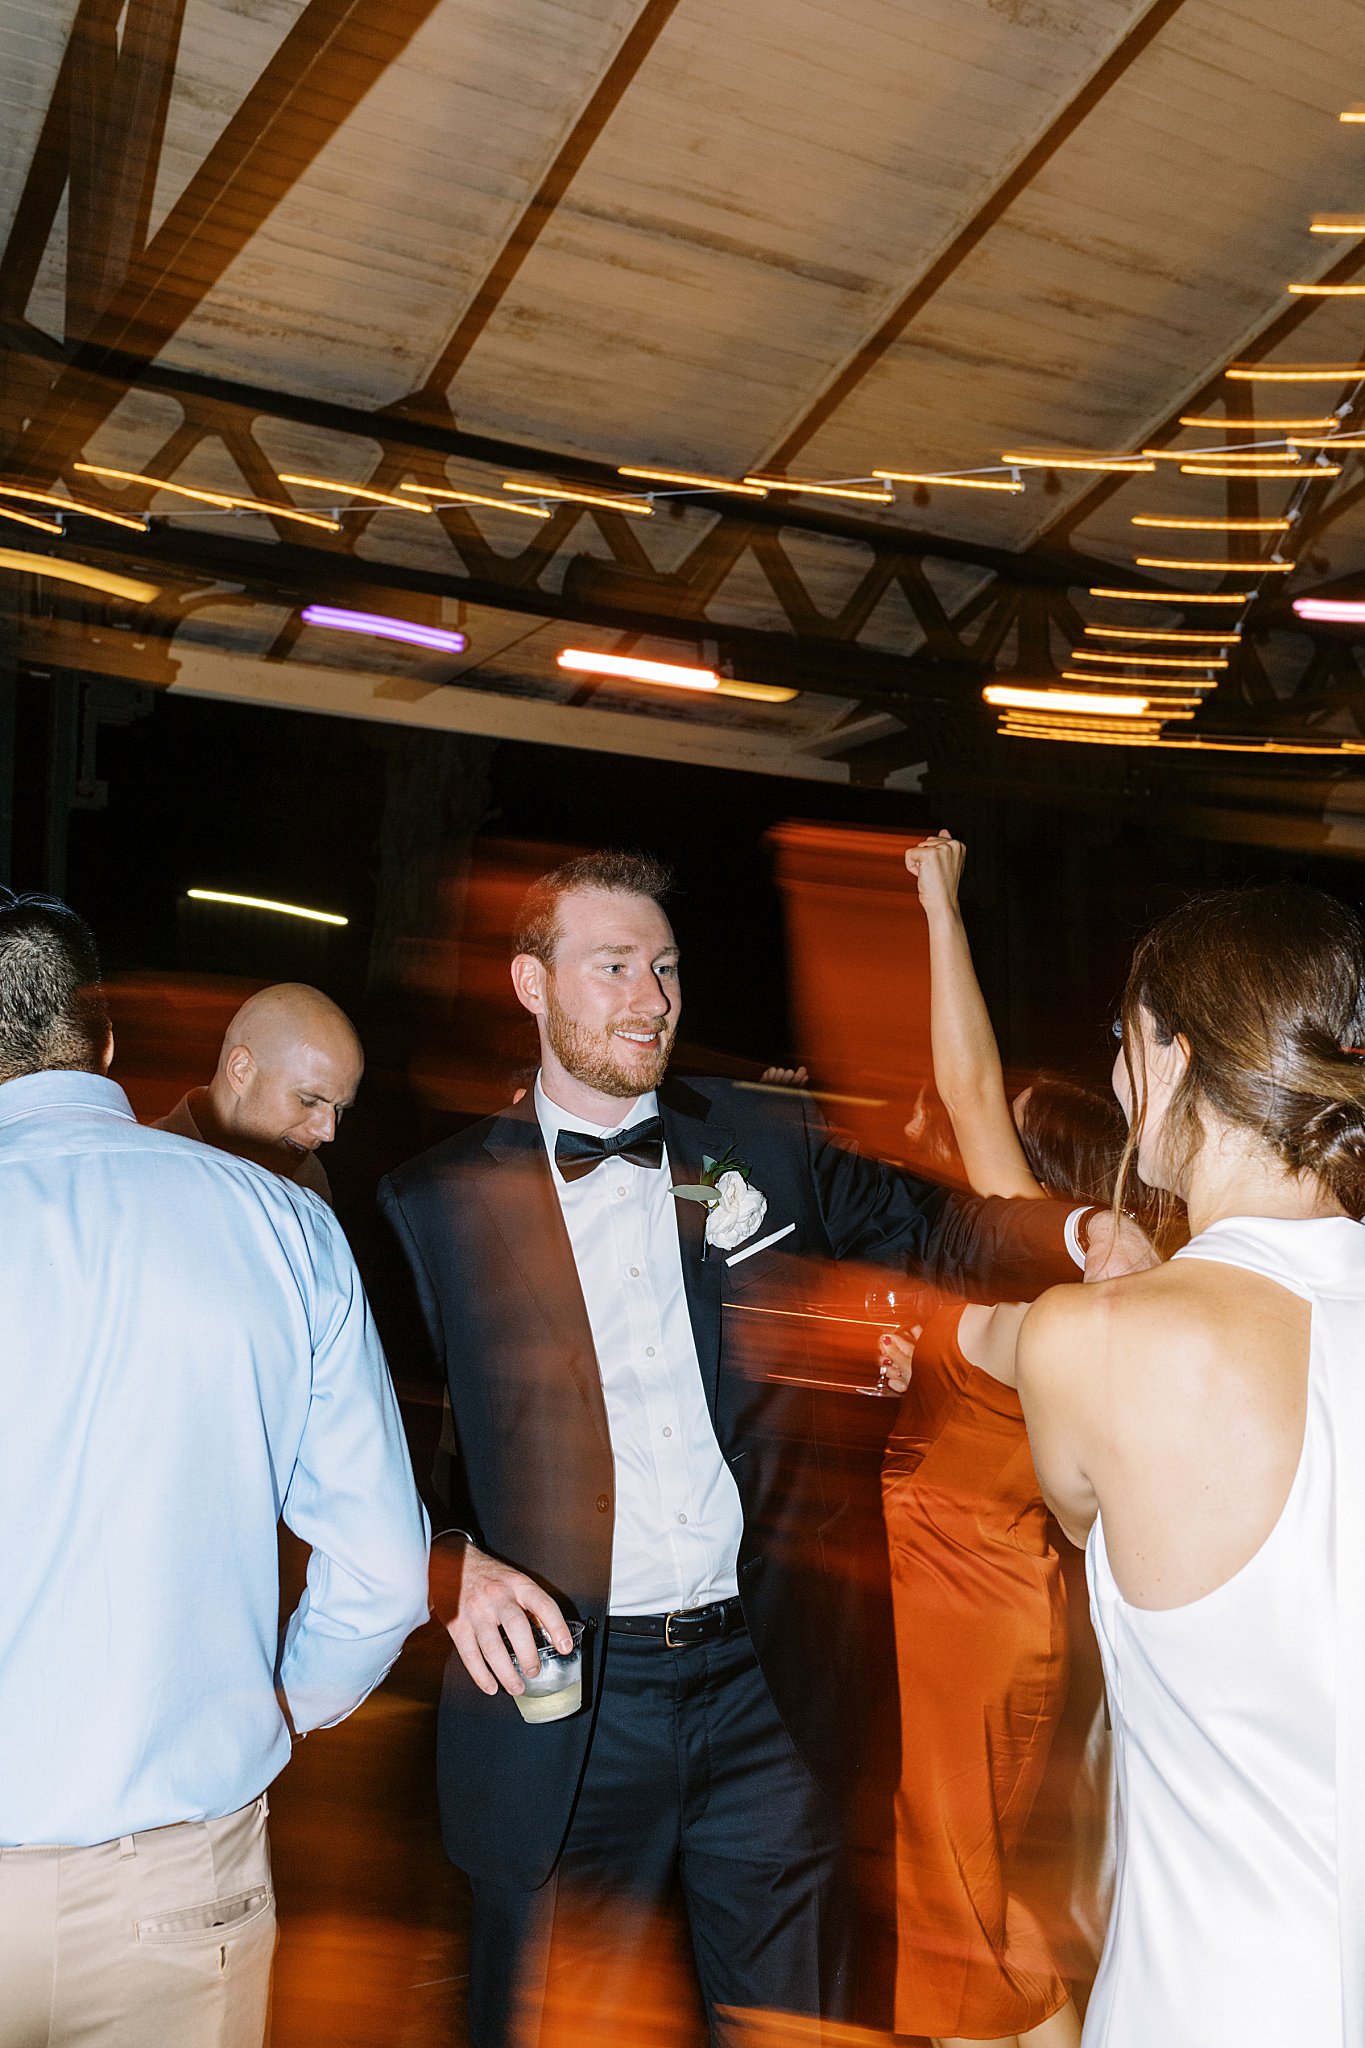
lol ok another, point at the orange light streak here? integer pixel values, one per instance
(811, 487)
(1242, 568)
(1183, 525)
(1175, 598)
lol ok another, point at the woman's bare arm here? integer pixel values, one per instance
(1056, 1340)
(967, 1069)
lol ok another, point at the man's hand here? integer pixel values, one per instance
(936, 865)
(479, 1600)
(1114, 1250)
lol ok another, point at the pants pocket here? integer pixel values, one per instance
(215, 1922)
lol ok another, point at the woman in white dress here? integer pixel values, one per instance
(1201, 1427)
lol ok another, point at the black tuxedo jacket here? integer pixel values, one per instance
(479, 1224)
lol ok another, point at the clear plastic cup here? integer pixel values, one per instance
(557, 1689)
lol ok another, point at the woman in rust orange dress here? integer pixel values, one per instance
(979, 1599)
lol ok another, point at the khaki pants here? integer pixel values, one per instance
(160, 1940)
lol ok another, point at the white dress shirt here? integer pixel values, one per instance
(675, 1542)
(186, 1354)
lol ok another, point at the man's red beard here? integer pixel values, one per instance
(591, 1056)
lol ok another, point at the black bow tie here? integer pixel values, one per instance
(577, 1152)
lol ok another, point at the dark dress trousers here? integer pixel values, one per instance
(479, 1223)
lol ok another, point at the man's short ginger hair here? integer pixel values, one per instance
(53, 1015)
(536, 929)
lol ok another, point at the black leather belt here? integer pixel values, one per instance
(685, 1626)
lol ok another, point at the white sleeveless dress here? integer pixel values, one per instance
(1239, 1729)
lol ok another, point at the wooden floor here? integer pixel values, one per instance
(372, 1917)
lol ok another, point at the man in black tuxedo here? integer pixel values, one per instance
(619, 1467)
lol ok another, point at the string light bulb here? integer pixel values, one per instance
(1219, 568)
(30, 519)
(630, 668)
(1095, 703)
(1182, 525)
(1178, 661)
(1157, 633)
(77, 507)
(1206, 419)
(1175, 598)
(811, 487)
(226, 501)
(444, 497)
(64, 569)
(1293, 470)
(958, 483)
(1161, 689)
(1075, 458)
(638, 508)
(324, 483)
(693, 481)
(1293, 373)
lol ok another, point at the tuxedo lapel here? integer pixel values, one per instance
(690, 1138)
(522, 1201)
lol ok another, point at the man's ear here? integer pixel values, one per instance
(528, 980)
(107, 1056)
(239, 1067)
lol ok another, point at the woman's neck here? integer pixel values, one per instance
(1233, 1175)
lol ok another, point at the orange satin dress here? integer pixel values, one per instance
(980, 1617)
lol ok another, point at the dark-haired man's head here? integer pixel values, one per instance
(597, 966)
(52, 1010)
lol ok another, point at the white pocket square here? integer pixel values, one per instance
(762, 1245)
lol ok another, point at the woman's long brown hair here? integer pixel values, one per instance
(1266, 987)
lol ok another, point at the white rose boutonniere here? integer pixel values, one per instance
(737, 1212)
(734, 1206)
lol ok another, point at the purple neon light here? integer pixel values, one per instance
(435, 637)
(1331, 611)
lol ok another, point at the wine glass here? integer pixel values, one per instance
(893, 1304)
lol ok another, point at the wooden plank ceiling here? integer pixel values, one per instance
(816, 236)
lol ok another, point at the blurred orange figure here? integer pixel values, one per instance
(977, 1587)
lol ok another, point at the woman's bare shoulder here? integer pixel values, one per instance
(1074, 1328)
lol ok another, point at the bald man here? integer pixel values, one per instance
(290, 1066)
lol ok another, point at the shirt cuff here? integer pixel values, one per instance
(1071, 1233)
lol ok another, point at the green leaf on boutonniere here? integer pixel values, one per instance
(697, 1194)
(713, 1170)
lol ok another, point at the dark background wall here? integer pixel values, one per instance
(365, 820)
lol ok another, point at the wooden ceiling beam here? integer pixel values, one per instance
(1011, 187)
(1277, 329)
(620, 74)
(327, 62)
(120, 94)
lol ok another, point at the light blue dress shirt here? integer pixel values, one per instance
(186, 1354)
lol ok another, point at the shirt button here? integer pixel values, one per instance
(635, 1272)
(682, 1518)
(603, 1503)
(649, 1351)
(668, 1429)
(620, 1191)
